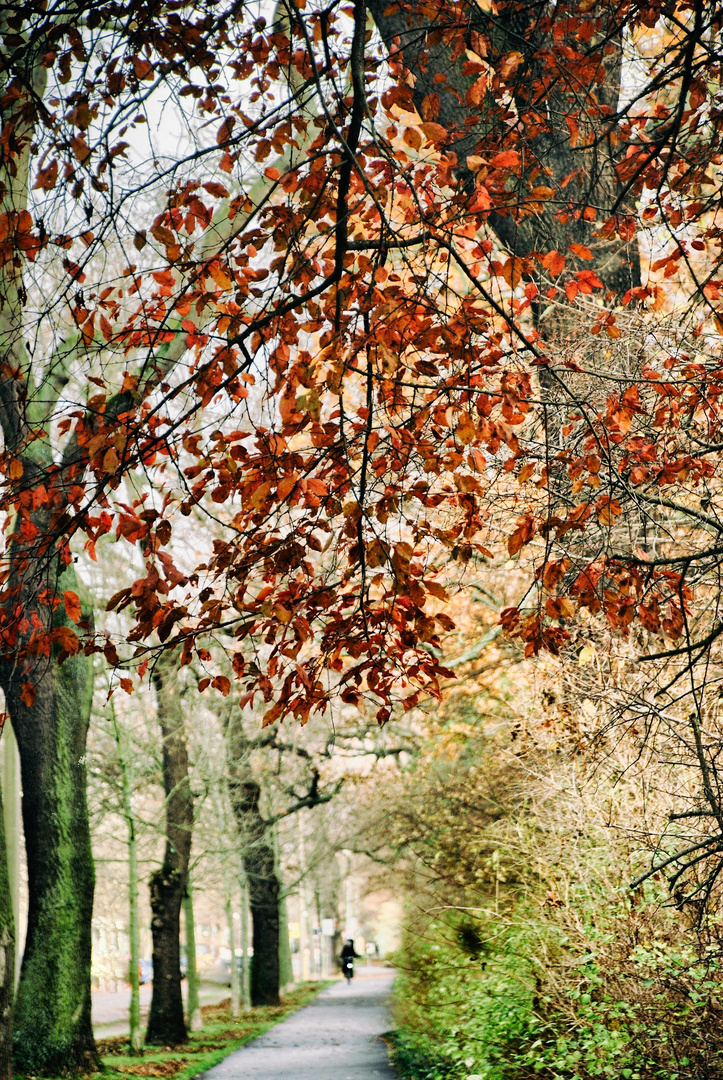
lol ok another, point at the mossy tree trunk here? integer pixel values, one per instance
(166, 1024)
(52, 1023)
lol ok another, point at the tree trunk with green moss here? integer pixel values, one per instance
(52, 1023)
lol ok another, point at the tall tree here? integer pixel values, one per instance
(259, 863)
(52, 1025)
(166, 1024)
(344, 365)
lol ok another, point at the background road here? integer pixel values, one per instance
(337, 1037)
(110, 1011)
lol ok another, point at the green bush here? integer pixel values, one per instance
(528, 1003)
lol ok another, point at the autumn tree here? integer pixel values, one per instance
(360, 313)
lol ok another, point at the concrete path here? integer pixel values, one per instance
(334, 1038)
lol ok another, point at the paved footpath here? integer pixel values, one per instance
(337, 1037)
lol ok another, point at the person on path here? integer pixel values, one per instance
(348, 953)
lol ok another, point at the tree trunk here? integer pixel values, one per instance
(11, 793)
(52, 1024)
(264, 904)
(235, 986)
(257, 852)
(134, 930)
(286, 968)
(245, 972)
(124, 762)
(193, 1006)
(7, 958)
(407, 31)
(166, 1024)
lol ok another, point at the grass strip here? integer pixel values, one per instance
(220, 1036)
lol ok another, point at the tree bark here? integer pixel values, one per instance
(7, 959)
(52, 1026)
(245, 972)
(263, 885)
(257, 852)
(195, 1017)
(124, 762)
(233, 973)
(11, 796)
(166, 1024)
(286, 969)
(515, 29)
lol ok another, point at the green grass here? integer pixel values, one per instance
(221, 1035)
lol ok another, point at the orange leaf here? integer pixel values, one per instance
(508, 159)
(72, 606)
(588, 280)
(554, 262)
(286, 486)
(110, 461)
(466, 430)
(67, 640)
(27, 695)
(522, 535)
(553, 571)
(434, 132)
(512, 272)
(221, 276)
(581, 251)
(477, 460)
